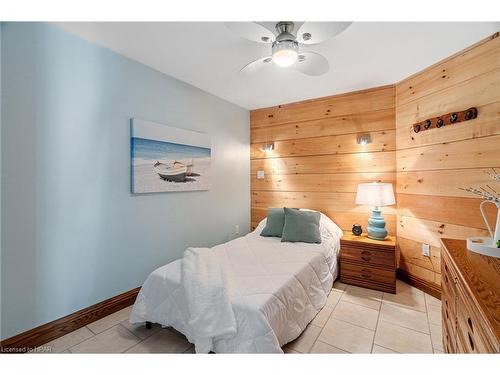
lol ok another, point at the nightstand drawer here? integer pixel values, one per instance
(367, 262)
(368, 257)
(367, 274)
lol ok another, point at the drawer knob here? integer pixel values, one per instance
(366, 273)
(469, 321)
(471, 342)
(366, 255)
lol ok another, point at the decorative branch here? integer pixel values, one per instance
(491, 194)
(495, 176)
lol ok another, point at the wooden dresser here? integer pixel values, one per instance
(368, 263)
(470, 299)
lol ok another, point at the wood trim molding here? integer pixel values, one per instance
(37, 336)
(425, 286)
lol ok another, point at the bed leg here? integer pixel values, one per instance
(148, 325)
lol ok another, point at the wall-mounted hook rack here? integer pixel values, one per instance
(448, 119)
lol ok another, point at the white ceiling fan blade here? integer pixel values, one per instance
(312, 64)
(317, 32)
(257, 65)
(271, 26)
(251, 31)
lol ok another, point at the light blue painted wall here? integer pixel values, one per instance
(72, 234)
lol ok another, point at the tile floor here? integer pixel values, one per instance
(354, 320)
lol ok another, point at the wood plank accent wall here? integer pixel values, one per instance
(433, 165)
(316, 162)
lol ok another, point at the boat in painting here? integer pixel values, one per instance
(175, 172)
(189, 166)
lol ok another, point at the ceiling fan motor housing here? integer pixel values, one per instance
(285, 27)
(285, 41)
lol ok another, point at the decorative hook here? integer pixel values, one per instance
(450, 118)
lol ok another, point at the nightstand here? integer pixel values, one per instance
(368, 263)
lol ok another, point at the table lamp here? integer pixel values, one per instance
(376, 194)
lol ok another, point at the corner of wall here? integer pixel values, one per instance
(434, 164)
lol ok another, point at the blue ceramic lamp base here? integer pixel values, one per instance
(376, 226)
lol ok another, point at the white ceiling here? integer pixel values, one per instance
(208, 56)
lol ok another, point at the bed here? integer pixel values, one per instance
(274, 289)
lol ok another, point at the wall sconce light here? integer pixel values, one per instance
(268, 147)
(364, 139)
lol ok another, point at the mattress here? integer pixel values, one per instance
(276, 288)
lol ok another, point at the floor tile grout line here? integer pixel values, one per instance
(97, 334)
(131, 331)
(327, 319)
(429, 324)
(88, 338)
(333, 309)
(69, 347)
(133, 346)
(343, 321)
(359, 304)
(382, 346)
(354, 324)
(157, 333)
(105, 318)
(411, 329)
(380, 300)
(415, 330)
(402, 305)
(130, 347)
(376, 326)
(395, 324)
(333, 346)
(441, 328)
(91, 330)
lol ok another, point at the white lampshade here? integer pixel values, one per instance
(375, 194)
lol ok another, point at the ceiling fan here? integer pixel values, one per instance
(286, 43)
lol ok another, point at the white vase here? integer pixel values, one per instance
(495, 232)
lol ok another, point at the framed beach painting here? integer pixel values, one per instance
(166, 159)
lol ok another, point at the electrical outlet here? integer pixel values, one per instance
(236, 229)
(260, 175)
(426, 250)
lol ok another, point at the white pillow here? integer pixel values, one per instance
(261, 226)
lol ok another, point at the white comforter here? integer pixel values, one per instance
(275, 289)
(205, 284)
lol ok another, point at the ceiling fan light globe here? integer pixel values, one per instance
(285, 58)
(285, 53)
